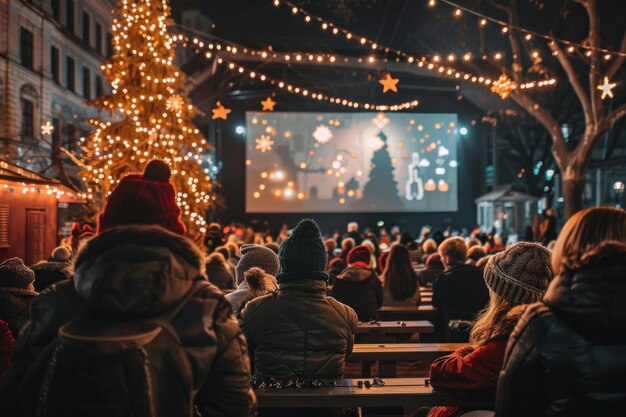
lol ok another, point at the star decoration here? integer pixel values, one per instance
(268, 104)
(220, 112)
(48, 128)
(380, 120)
(389, 83)
(175, 103)
(607, 88)
(264, 143)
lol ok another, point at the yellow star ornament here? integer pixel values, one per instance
(268, 104)
(389, 83)
(220, 112)
(47, 129)
(606, 88)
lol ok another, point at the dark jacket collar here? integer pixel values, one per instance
(283, 277)
(592, 298)
(312, 287)
(356, 274)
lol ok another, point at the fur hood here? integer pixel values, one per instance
(357, 273)
(136, 270)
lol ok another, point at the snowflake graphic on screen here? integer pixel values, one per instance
(264, 143)
(322, 134)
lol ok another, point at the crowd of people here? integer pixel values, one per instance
(134, 318)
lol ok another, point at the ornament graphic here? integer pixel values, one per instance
(607, 88)
(322, 134)
(264, 143)
(175, 103)
(414, 186)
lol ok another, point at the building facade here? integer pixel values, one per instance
(50, 55)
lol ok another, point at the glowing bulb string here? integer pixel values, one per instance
(436, 63)
(213, 47)
(508, 26)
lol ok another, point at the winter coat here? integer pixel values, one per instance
(359, 288)
(49, 273)
(459, 292)
(6, 347)
(14, 307)
(567, 355)
(220, 275)
(142, 271)
(235, 297)
(298, 331)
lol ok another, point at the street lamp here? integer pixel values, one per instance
(618, 188)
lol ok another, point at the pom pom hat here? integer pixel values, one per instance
(146, 198)
(304, 249)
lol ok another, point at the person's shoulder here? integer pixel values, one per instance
(259, 303)
(536, 319)
(346, 312)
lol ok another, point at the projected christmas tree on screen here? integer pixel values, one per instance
(361, 162)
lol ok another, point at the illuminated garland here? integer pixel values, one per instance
(435, 63)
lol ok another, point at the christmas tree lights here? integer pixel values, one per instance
(150, 114)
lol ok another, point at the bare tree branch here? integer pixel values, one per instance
(619, 61)
(594, 70)
(613, 117)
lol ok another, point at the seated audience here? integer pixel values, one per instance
(400, 282)
(353, 233)
(335, 267)
(567, 354)
(233, 252)
(346, 246)
(331, 245)
(6, 347)
(515, 277)
(218, 272)
(482, 262)
(460, 292)
(251, 256)
(358, 286)
(428, 248)
(299, 332)
(433, 268)
(57, 268)
(214, 237)
(17, 291)
(273, 246)
(474, 254)
(382, 261)
(138, 268)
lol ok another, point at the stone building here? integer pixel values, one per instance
(50, 55)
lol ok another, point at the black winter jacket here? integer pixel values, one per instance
(567, 355)
(14, 307)
(143, 271)
(359, 288)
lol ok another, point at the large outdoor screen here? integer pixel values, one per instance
(350, 162)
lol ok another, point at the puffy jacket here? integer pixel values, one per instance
(14, 307)
(6, 347)
(567, 355)
(298, 331)
(142, 271)
(359, 288)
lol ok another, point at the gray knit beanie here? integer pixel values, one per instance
(520, 274)
(14, 274)
(304, 249)
(256, 256)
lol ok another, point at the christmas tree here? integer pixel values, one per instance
(150, 114)
(381, 190)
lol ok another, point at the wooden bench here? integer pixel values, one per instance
(394, 327)
(421, 312)
(389, 354)
(407, 393)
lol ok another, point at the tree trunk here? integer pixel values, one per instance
(573, 195)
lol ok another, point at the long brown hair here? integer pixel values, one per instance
(399, 277)
(497, 320)
(583, 233)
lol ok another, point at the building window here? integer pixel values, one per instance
(26, 47)
(56, 10)
(99, 86)
(98, 37)
(70, 15)
(71, 79)
(87, 28)
(86, 83)
(28, 100)
(109, 45)
(70, 137)
(54, 63)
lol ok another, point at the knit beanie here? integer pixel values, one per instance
(60, 254)
(146, 198)
(14, 274)
(359, 254)
(520, 274)
(256, 256)
(304, 249)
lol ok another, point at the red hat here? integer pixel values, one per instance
(146, 198)
(360, 254)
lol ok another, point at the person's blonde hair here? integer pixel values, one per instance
(453, 248)
(429, 246)
(583, 233)
(498, 319)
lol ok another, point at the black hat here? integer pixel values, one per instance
(304, 249)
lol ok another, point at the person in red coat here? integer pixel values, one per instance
(517, 276)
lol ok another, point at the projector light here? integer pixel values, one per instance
(240, 130)
(463, 131)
